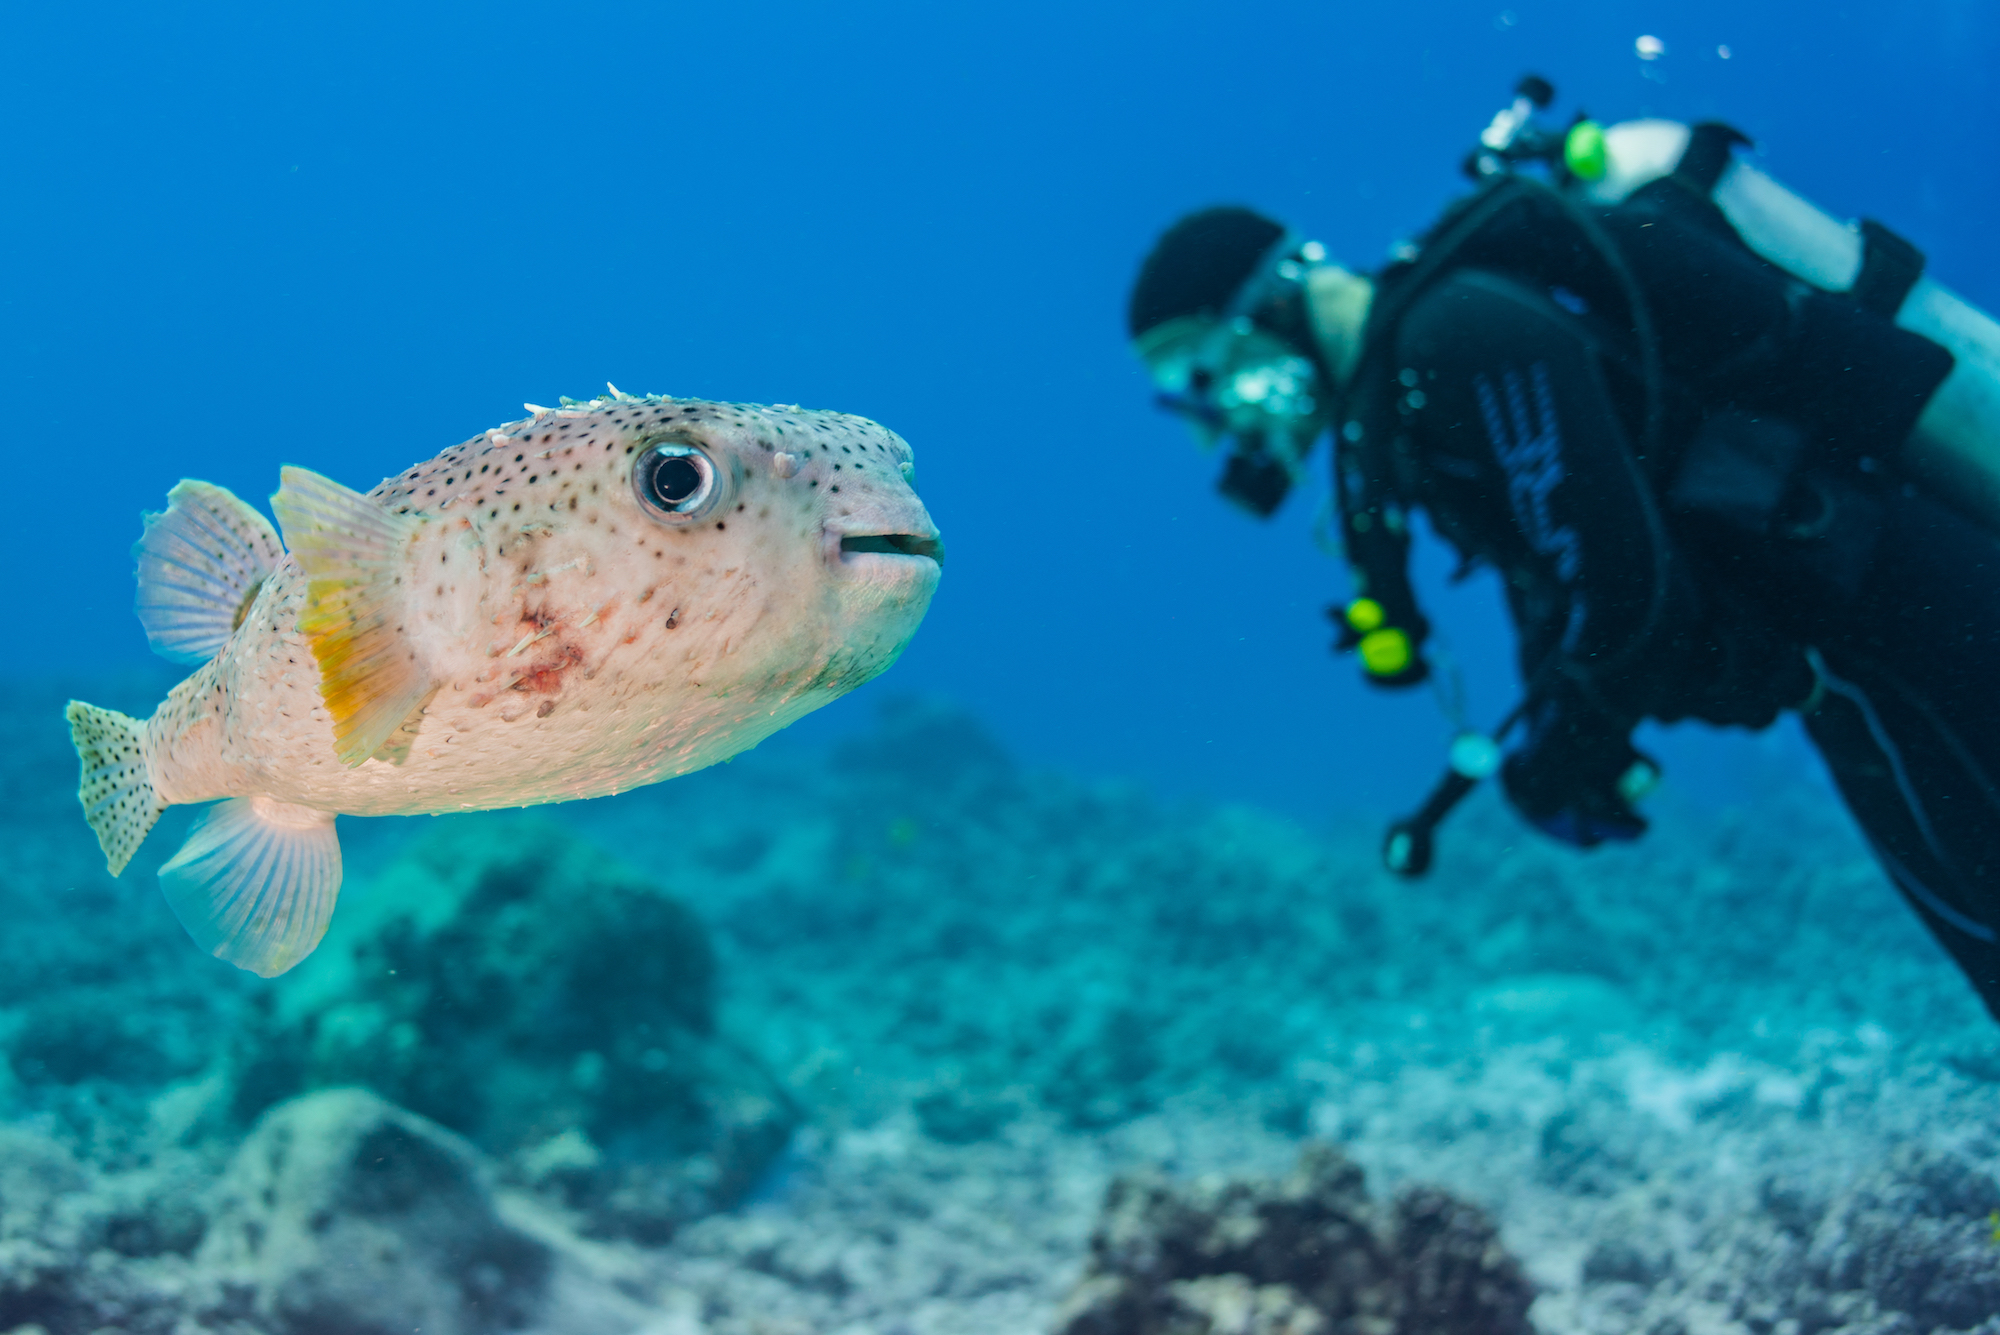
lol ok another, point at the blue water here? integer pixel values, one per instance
(347, 236)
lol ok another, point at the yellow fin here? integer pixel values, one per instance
(352, 551)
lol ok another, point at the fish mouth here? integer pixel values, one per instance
(928, 548)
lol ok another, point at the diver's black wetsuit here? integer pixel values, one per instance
(1683, 463)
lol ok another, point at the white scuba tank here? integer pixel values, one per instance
(1955, 446)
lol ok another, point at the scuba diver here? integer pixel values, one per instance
(1728, 455)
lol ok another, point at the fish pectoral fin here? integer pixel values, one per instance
(200, 566)
(256, 881)
(353, 550)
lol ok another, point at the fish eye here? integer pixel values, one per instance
(675, 481)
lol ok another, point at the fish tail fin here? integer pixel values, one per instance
(117, 788)
(256, 881)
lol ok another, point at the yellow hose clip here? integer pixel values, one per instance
(1385, 652)
(1365, 614)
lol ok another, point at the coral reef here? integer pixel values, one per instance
(907, 1012)
(529, 992)
(1910, 1246)
(1308, 1254)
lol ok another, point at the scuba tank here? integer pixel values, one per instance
(1955, 446)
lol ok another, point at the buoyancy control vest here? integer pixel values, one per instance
(1954, 448)
(1702, 321)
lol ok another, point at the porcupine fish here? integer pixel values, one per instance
(590, 599)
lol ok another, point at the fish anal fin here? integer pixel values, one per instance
(352, 550)
(201, 563)
(117, 786)
(256, 881)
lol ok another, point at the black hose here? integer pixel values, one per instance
(1410, 843)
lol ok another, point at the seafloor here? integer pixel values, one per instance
(855, 1041)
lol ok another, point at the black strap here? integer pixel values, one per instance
(1364, 491)
(1371, 479)
(1706, 156)
(1890, 267)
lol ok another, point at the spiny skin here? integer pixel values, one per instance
(580, 645)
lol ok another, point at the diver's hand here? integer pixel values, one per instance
(1580, 788)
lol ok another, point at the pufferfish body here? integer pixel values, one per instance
(581, 602)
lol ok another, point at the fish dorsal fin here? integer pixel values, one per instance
(352, 550)
(200, 566)
(255, 882)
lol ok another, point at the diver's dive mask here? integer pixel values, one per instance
(1230, 377)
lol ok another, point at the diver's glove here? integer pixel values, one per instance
(1578, 783)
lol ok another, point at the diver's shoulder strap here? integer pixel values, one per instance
(1890, 263)
(1890, 266)
(1376, 477)
(1374, 474)
(1710, 147)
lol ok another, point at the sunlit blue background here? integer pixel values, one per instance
(349, 235)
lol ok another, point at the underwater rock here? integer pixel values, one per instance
(85, 1251)
(1589, 1150)
(930, 744)
(532, 994)
(950, 1113)
(1304, 1255)
(1100, 1070)
(342, 1213)
(1918, 1239)
(1908, 1247)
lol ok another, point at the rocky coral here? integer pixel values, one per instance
(535, 995)
(1308, 1254)
(1907, 1245)
(79, 1252)
(1708, 1086)
(343, 1213)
